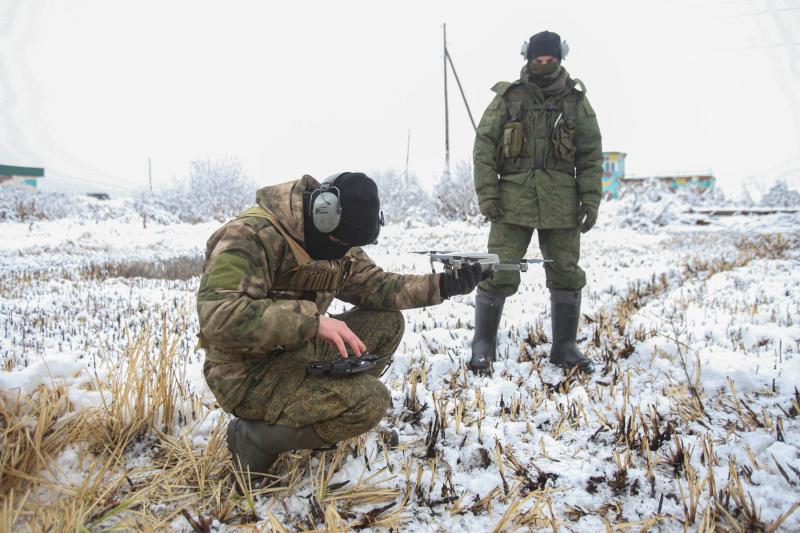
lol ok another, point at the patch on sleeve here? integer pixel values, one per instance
(227, 272)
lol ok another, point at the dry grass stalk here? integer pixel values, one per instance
(746, 516)
(389, 516)
(773, 527)
(333, 521)
(140, 401)
(535, 516)
(178, 268)
(144, 391)
(100, 499)
(709, 521)
(512, 512)
(458, 507)
(364, 494)
(10, 510)
(274, 525)
(690, 499)
(643, 525)
(326, 470)
(485, 502)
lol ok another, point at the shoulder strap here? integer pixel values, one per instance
(579, 87)
(299, 253)
(501, 87)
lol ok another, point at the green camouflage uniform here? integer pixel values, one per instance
(258, 323)
(539, 157)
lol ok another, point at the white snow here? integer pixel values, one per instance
(742, 325)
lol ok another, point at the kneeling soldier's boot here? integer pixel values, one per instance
(256, 445)
(488, 310)
(566, 312)
(389, 438)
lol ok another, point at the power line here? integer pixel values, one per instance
(460, 88)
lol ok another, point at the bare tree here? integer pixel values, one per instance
(454, 194)
(402, 197)
(217, 189)
(780, 195)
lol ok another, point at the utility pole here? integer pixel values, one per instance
(448, 58)
(150, 174)
(446, 110)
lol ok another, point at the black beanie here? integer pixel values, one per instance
(545, 43)
(361, 209)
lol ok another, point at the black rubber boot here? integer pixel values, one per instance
(256, 445)
(488, 310)
(566, 312)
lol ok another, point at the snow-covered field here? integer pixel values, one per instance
(692, 421)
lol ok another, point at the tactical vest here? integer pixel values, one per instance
(310, 275)
(538, 135)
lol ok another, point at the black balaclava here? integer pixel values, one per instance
(361, 218)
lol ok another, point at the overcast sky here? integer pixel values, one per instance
(90, 89)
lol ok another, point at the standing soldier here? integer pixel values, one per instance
(538, 165)
(268, 279)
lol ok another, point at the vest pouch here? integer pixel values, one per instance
(562, 143)
(562, 140)
(312, 279)
(321, 275)
(512, 140)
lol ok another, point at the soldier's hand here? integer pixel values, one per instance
(587, 217)
(461, 281)
(339, 335)
(491, 209)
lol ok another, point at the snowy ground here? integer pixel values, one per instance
(692, 419)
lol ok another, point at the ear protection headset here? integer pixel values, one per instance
(564, 49)
(325, 205)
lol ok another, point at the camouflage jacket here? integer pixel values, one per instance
(539, 156)
(243, 320)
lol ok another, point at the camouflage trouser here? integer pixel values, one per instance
(338, 407)
(563, 246)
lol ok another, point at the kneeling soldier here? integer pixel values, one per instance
(268, 278)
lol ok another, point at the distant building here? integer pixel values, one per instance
(613, 173)
(28, 176)
(615, 180)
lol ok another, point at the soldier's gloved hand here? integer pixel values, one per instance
(587, 217)
(462, 281)
(491, 209)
